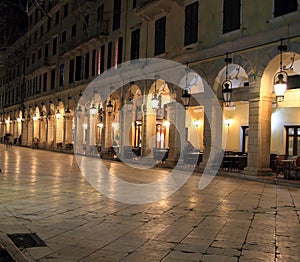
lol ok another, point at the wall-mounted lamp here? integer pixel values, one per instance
(186, 94)
(227, 84)
(196, 123)
(228, 121)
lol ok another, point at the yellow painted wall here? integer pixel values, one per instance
(233, 133)
(286, 114)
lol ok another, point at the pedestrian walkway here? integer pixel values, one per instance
(43, 193)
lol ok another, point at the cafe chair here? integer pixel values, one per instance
(279, 165)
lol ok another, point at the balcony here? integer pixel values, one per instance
(42, 63)
(94, 32)
(149, 9)
(81, 3)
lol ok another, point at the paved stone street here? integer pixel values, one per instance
(232, 219)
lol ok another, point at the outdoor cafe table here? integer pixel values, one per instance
(234, 162)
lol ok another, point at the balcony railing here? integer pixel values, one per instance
(41, 63)
(143, 3)
(99, 31)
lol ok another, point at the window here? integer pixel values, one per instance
(46, 50)
(61, 74)
(40, 53)
(87, 66)
(135, 44)
(109, 55)
(74, 29)
(39, 82)
(63, 36)
(231, 15)
(42, 30)
(191, 24)
(160, 35)
(78, 68)
(66, 10)
(116, 15)
(120, 50)
(54, 46)
(49, 24)
(100, 13)
(292, 140)
(33, 58)
(94, 62)
(45, 82)
(100, 60)
(86, 22)
(282, 7)
(71, 71)
(133, 4)
(56, 17)
(53, 72)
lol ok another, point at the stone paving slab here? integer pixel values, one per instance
(233, 219)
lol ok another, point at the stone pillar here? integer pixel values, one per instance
(259, 137)
(176, 114)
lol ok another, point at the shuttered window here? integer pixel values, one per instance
(282, 7)
(231, 15)
(160, 36)
(191, 24)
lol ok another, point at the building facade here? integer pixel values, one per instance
(68, 44)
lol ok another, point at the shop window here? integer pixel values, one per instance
(282, 7)
(135, 44)
(191, 24)
(292, 140)
(231, 15)
(160, 36)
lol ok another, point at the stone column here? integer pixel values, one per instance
(176, 114)
(259, 137)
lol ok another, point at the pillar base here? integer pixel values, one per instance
(254, 171)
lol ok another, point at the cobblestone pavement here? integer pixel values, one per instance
(232, 219)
